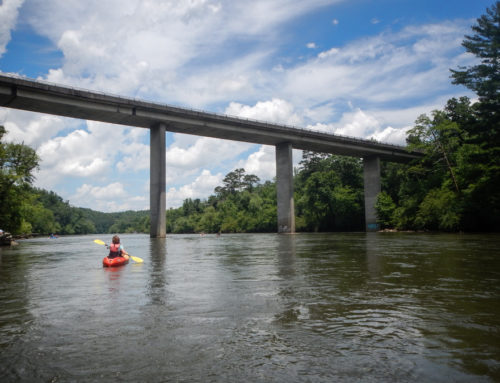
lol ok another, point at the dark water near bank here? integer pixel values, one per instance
(253, 308)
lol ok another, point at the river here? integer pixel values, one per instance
(347, 307)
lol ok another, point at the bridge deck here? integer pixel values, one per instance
(37, 96)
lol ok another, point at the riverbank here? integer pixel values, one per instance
(7, 239)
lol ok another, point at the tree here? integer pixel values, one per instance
(41, 219)
(329, 192)
(484, 77)
(439, 210)
(311, 162)
(438, 137)
(236, 181)
(17, 163)
(385, 208)
(480, 156)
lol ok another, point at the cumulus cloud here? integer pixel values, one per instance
(261, 163)
(154, 48)
(201, 187)
(9, 10)
(34, 129)
(276, 110)
(108, 198)
(383, 125)
(135, 151)
(184, 154)
(359, 123)
(74, 155)
(108, 192)
(89, 150)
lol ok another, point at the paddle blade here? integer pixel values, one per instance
(136, 259)
(99, 242)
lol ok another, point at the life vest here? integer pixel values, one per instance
(114, 250)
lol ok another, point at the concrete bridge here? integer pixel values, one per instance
(42, 97)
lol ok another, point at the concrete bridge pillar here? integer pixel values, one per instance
(284, 188)
(371, 172)
(157, 182)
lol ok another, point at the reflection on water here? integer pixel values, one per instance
(307, 307)
(157, 281)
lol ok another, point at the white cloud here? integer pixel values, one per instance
(108, 192)
(185, 154)
(383, 125)
(261, 163)
(32, 128)
(75, 155)
(380, 69)
(201, 187)
(358, 124)
(9, 10)
(108, 198)
(330, 52)
(391, 135)
(173, 50)
(276, 110)
(79, 152)
(311, 45)
(135, 151)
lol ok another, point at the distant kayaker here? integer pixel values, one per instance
(116, 249)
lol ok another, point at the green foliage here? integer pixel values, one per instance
(17, 163)
(236, 181)
(329, 193)
(385, 208)
(239, 205)
(455, 186)
(41, 219)
(129, 222)
(483, 78)
(439, 211)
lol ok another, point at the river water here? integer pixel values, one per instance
(375, 307)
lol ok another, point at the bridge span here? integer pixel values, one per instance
(38, 96)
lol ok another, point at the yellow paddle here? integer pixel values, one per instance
(135, 259)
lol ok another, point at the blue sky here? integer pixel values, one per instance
(362, 68)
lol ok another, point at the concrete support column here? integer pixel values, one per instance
(284, 188)
(157, 183)
(371, 171)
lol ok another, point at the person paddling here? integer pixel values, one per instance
(116, 249)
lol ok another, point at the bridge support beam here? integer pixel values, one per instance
(157, 181)
(284, 188)
(371, 172)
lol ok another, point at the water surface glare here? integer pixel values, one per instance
(376, 307)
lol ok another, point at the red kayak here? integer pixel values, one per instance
(113, 262)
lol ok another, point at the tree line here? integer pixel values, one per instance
(454, 187)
